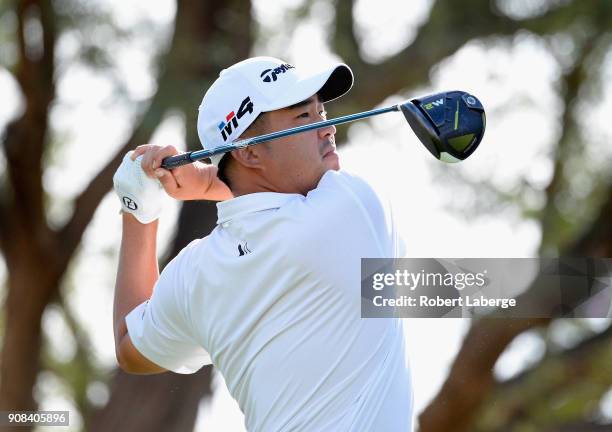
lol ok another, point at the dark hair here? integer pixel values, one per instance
(226, 160)
(223, 163)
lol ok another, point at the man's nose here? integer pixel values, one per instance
(327, 131)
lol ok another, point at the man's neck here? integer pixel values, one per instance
(244, 183)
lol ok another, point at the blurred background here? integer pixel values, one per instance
(82, 82)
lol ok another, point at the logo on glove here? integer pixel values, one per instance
(129, 203)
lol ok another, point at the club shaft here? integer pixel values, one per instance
(185, 158)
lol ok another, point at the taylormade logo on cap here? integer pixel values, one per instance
(261, 84)
(270, 74)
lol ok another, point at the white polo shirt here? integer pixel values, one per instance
(272, 298)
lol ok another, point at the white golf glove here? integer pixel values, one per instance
(139, 194)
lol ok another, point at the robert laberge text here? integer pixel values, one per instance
(424, 301)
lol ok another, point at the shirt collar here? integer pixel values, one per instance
(251, 203)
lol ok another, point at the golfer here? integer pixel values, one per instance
(271, 297)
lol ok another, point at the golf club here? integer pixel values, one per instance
(450, 125)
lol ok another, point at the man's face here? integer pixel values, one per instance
(296, 163)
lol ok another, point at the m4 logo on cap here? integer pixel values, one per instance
(231, 120)
(269, 75)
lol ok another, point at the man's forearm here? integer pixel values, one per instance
(138, 270)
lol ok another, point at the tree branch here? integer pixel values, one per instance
(597, 240)
(25, 137)
(3, 224)
(450, 26)
(517, 402)
(573, 354)
(343, 38)
(571, 83)
(88, 200)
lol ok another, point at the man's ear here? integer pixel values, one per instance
(249, 157)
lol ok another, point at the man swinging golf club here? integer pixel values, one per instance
(272, 296)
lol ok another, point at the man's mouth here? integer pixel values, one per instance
(329, 150)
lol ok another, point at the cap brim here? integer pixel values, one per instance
(329, 84)
(339, 82)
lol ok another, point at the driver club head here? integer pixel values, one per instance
(449, 124)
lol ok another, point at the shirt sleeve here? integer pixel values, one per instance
(160, 328)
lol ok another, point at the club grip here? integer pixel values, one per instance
(176, 161)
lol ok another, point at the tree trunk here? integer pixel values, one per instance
(32, 283)
(20, 355)
(27, 243)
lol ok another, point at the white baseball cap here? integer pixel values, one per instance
(261, 84)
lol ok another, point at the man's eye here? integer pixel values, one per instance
(307, 114)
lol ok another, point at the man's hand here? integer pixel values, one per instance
(196, 181)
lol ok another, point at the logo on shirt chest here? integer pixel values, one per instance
(243, 249)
